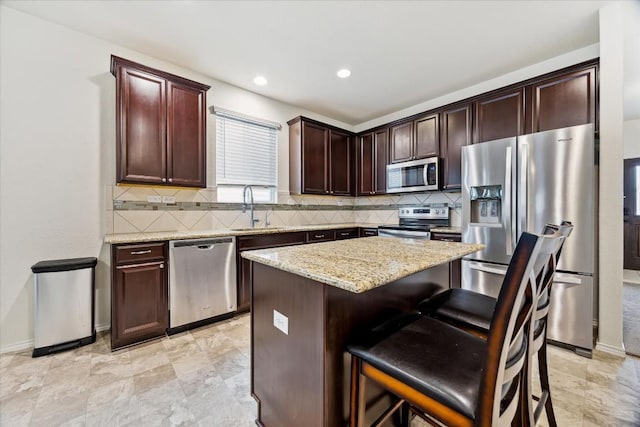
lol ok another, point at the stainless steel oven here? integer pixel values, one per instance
(416, 175)
(416, 222)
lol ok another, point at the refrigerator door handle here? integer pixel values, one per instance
(523, 188)
(508, 201)
(487, 269)
(566, 278)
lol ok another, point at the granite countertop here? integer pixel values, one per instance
(205, 234)
(452, 230)
(358, 265)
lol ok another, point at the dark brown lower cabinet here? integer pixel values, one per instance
(139, 293)
(260, 241)
(455, 267)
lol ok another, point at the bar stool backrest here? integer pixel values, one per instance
(508, 336)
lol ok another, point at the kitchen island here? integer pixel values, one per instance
(309, 301)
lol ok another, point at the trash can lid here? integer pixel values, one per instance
(54, 265)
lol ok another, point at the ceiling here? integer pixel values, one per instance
(401, 53)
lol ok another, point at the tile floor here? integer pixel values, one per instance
(201, 378)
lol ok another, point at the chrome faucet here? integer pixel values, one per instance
(244, 202)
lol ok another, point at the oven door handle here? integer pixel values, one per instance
(383, 232)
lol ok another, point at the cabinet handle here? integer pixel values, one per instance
(345, 233)
(170, 179)
(148, 251)
(331, 192)
(161, 265)
(319, 236)
(164, 179)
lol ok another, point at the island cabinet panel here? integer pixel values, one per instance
(565, 100)
(427, 137)
(401, 142)
(139, 294)
(160, 126)
(302, 377)
(500, 115)
(455, 128)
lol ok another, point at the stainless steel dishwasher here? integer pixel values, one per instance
(202, 281)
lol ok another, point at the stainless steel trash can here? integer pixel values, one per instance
(64, 304)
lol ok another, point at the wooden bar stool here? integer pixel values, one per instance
(472, 312)
(446, 374)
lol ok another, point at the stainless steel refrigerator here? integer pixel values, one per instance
(520, 184)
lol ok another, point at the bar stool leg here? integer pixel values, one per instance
(357, 401)
(544, 384)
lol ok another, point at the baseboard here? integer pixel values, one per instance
(28, 344)
(606, 348)
(19, 346)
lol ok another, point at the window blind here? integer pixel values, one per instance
(245, 150)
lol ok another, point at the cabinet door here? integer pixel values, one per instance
(186, 136)
(427, 138)
(567, 100)
(314, 159)
(401, 142)
(366, 167)
(380, 154)
(456, 133)
(499, 116)
(339, 163)
(141, 111)
(139, 303)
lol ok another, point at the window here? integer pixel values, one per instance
(245, 154)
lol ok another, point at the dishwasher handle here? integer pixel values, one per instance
(201, 244)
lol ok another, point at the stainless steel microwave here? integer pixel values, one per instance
(416, 175)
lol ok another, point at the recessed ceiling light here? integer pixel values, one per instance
(343, 73)
(260, 80)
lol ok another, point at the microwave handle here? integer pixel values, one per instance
(425, 177)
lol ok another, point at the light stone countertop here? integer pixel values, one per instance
(224, 232)
(358, 265)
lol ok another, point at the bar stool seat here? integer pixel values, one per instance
(452, 381)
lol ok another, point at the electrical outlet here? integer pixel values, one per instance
(168, 199)
(280, 321)
(154, 199)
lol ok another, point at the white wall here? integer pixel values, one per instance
(611, 182)
(57, 153)
(632, 139)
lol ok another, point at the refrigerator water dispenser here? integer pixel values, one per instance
(486, 204)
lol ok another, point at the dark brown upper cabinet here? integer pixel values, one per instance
(427, 137)
(455, 126)
(499, 115)
(372, 163)
(401, 142)
(319, 158)
(415, 140)
(160, 126)
(568, 99)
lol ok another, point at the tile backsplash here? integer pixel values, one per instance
(129, 210)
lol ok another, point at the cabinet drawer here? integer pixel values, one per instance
(346, 233)
(366, 232)
(446, 237)
(270, 240)
(321, 235)
(143, 252)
